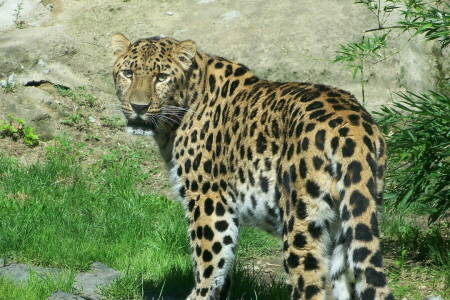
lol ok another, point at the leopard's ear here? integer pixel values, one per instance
(184, 52)
(119, 44)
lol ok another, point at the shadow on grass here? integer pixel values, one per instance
(247, 285)
(177, 285)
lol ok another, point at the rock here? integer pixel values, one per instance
(56, 73)
(20, 273)
(32, 110)
(16, 273)
(89, 284)
(169, 13)
(231, 15)
(42, 63)
(91, 119)
(60, 295)
(204, 1)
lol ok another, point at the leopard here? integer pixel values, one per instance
(301, 160)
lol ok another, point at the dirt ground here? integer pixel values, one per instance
(67, 43)
(54, 42)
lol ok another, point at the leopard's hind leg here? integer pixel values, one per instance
(357, 252)
(309, 210)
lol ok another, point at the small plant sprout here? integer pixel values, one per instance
(17, 12)
(357, 55)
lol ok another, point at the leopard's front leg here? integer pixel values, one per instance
(213, 230)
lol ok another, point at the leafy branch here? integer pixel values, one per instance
(418, 136)
(355, 55)
(16, 129)
(433, 22)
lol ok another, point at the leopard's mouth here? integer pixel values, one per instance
(138, 127)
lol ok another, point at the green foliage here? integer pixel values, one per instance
(381, 10)
(355, 55)
(418, 244)
(74, 119)
(80, 95)
(418, 137)
(416, 281)
(17, 129)
(434, 22)
(427, 17)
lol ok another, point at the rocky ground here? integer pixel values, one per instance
(87, 285)
(49, 44)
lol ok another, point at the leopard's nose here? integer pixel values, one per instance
(139, 108)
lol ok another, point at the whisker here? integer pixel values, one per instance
(153, 121)
(186, 110)
(179, 117)
(168, 121)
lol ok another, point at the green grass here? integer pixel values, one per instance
(37, 287)
(72, 209)
(417, 256)
(65, 212)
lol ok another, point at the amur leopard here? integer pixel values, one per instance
(305, 161)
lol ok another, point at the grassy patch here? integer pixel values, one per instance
(65, 212)
(257, 243)
(80, 95)
(416, 281)
(37, 287)
(417, 256)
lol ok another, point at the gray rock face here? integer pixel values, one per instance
(20, 273)
(15, 273)
(89, 284)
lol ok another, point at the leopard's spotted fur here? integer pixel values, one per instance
(302, 160)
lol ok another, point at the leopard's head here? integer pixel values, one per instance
(150, 78)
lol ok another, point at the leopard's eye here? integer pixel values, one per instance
(161, 77)
(127, 73)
